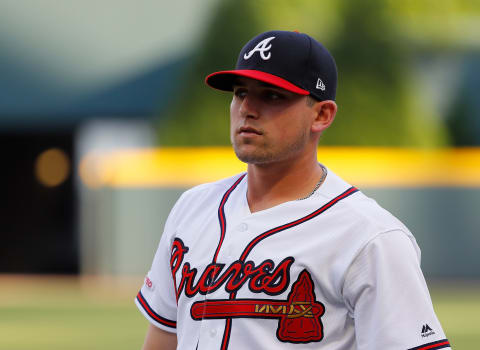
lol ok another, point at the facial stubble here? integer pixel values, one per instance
(265, 152)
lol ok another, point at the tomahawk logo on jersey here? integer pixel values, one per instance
(285, 277)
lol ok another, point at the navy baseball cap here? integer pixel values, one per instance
(290, 60)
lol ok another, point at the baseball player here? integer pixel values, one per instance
(286, 255)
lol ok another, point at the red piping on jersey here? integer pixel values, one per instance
(440, 344)
(317, 212)
(254, 242)
(153, 314)
(221, 215)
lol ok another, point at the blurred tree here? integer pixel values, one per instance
(375, 98)
(200, 115)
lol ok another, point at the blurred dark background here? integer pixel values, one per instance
(37, 222)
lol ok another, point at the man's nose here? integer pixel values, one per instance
(249, 107)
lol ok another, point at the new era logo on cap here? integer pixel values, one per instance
(320, 85)
(290, 60)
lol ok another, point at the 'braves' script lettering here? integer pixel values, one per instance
(263, 278)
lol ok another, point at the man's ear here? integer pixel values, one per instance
(325, 114)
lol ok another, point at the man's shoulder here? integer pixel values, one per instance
(217, 187)
(206, 194)
(373, 215)
(368, 215)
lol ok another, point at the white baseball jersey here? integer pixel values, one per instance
(334, 271)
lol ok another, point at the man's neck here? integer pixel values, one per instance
(273, 184)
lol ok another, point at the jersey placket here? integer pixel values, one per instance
(227, 252)
(237, 235)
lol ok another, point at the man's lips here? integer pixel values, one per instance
(245, 130)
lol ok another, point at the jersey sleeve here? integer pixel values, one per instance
(388, 298)
(156, 299)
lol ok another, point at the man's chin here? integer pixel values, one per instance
(253, 157)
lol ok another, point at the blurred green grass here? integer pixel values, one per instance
(457, 305)
(69, 313)
(77, 313)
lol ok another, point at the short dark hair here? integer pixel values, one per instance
(311, 100)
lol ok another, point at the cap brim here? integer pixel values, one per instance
(224, 80)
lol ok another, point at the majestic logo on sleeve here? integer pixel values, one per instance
(263, 47)
(299, 317)
(427, 331)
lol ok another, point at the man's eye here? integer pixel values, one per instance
(272, 95)
(240, 92)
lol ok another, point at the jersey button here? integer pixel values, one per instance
(213, 332)
(243, 227)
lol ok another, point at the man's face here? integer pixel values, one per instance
(268, 124)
